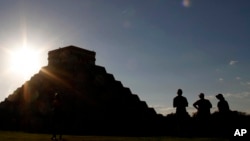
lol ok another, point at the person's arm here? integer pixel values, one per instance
(195, 105)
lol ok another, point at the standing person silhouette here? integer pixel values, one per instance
(180, 103)
(224, 117)
(222, 104)
(203, 106)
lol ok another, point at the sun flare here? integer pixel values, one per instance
(24, 61)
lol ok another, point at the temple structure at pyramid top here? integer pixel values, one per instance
(71, 55)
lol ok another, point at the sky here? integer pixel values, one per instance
(154, 47)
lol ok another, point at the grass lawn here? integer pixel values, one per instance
(20, 136)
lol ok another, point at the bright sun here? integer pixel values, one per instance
(24, 61)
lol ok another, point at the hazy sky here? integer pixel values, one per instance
(153, 47)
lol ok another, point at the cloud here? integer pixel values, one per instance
(233, 62)
(237, 78)
(221, 79)
(163, 109)
(126, 24)
(241, 95)
(186, 3)
(247, 84)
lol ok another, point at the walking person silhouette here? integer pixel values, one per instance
(56, 117)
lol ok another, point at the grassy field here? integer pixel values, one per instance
(20, 136)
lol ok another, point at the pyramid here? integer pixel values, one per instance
(93, 101)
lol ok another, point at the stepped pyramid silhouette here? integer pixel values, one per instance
(93, 102)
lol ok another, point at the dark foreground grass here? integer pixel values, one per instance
(20, 136)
